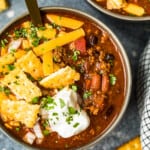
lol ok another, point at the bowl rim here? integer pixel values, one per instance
(126, 66)
(118, 16)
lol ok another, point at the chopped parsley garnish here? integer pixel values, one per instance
(33, 36)
(11, 67)
(17, 128)
(69, 119)
(76, 124)
(45, 123)
(112, 79)
(62, 103)
(48, 103)
(72, 110)
(36, 42)
(54, 25)
(20, 33)
(5, 90)
(87, 94)
(35, 100)
(46, 132)
(55, 114)
(16, 82)
(74, 88)
(75, 55)
(3, 43)
(42, 28)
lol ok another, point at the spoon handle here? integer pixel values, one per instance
(34, 12)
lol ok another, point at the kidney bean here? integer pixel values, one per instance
(87, 84)
(96, 82)
(105, 83)
(87, 66)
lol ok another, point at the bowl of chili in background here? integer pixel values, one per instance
(104, 86)
(131, 11)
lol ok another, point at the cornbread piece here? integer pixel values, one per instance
(61, 78)
(19, 111)
(20, 85)
(30, 64)
(133, 144)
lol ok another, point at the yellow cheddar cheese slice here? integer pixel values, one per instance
(65, 21)
(59, 41)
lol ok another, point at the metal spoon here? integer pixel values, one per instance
(34, 12)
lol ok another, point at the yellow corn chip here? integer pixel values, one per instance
(31, 64)
(61, 78)
(133, 144)
(19, 111)
(20, 85)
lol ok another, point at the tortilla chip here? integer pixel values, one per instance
(61, 78)
(20, 85)
(133, 144)
(19, 111)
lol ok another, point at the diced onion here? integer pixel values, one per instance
(37, 130)
(14, 45)
(29, 137)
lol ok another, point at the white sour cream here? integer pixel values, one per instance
(65, 116)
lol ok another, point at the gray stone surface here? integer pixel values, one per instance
(133, 36)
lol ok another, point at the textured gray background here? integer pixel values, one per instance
(133, 37)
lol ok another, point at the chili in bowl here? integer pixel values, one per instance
(63, 85)
(133, 10)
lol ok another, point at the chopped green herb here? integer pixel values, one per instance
(45, 124)
(46, 132)
(17, 77)
(3, 43)
(35, 100)
(69, 119)
(12, 51)
(87, 94)
(74, 88)
(16, 82)
(62, 103)
(75, 55)
(5, 90)
(55, 26)
(36, 42)
(48, 103)
(20, 33)
(42, 28)
(112, 79)
(55, 114)
(17, 128)
(30, 77)
(1, 89)
(72, 110)
(11, 67)
(75, 125)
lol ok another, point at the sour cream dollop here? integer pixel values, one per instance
(65, 116)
